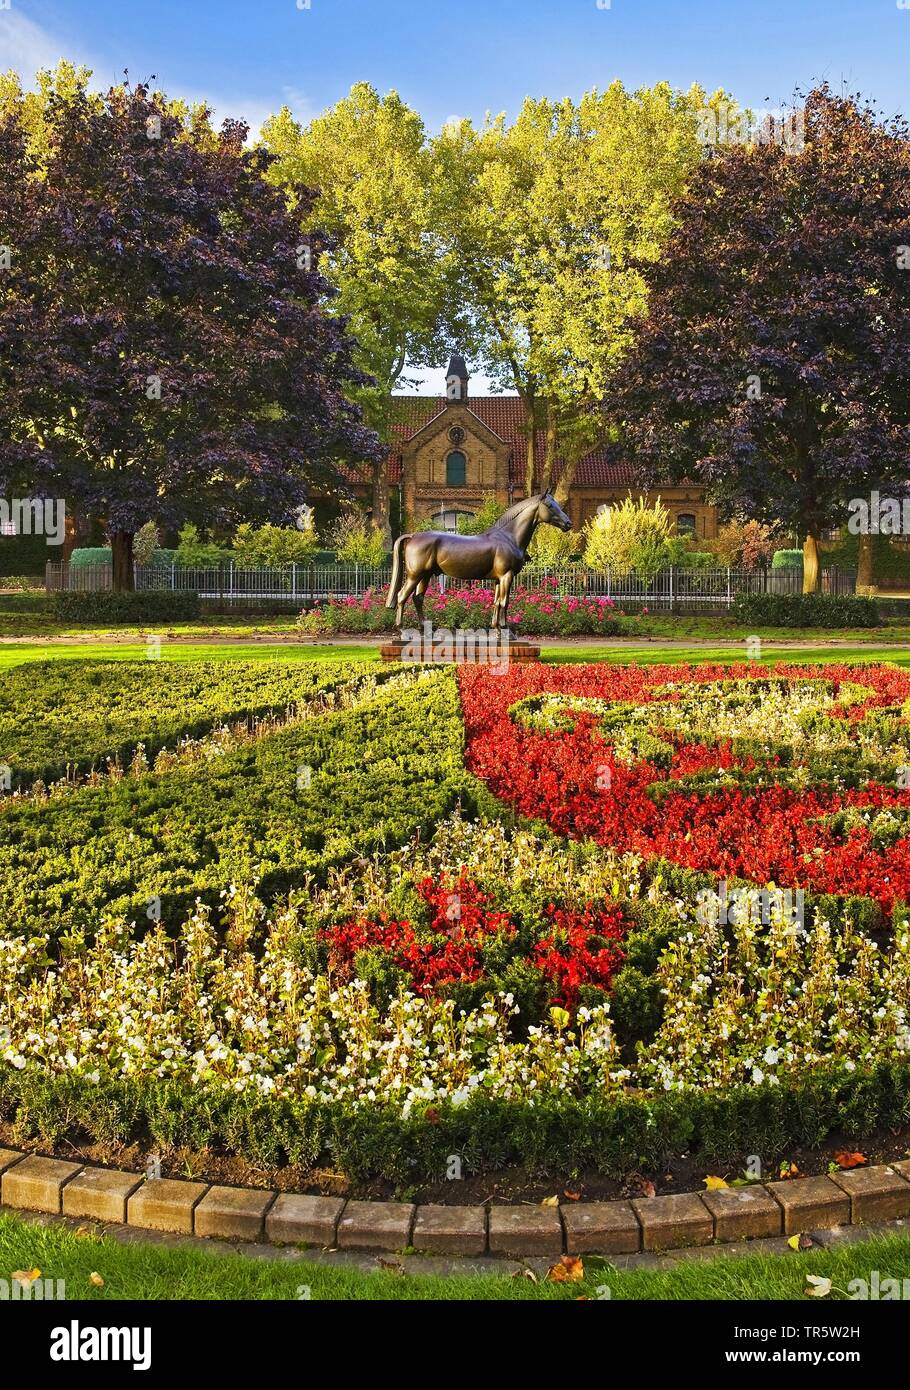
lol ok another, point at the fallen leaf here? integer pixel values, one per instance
(714, 1184)
(391, 1265)
(818, 1287)
(845, 1159)
(550, 1202)
(789, 1170)
(525, 1274)
(793, 1242)
(26, 1276)
(573, 1194)
(569, 1270)
(96, 1279)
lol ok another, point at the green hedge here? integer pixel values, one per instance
(553, 1137)
(379, 773)
(60, 717)
(146, 606)
(806, 610)
(787, 559)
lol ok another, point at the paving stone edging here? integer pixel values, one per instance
(858, 1197)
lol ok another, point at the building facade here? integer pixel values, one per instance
(451, 452)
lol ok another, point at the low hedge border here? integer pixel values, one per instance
(104, 606)
(785, 1208)
(806, 610)
(613, 1138)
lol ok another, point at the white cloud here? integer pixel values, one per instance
(26, 47)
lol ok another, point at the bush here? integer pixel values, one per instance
(358, 543)
(274, 545)
(787, 560)
(190, 830)
(628, 536)
(144, 606)
(69, 716)
(806, 610)
(197, 553)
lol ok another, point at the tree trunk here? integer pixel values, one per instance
(122, 561)
(531, 450)
(811, 573)
(381, 501)
(865, 566)
(549, 460)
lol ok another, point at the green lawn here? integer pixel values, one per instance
(14, 653)
(159, 1272)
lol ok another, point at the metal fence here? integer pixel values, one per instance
(296, 585)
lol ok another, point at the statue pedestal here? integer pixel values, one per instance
(472, 647)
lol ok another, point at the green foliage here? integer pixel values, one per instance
(373, 781)
(197, 553)
(806, 610)
(274, 545)
(59, 717)
(611, 1137)
(487, 515)
(358, 543)
(787, 559)
(555, 549)
(629, 535)
(142, 606)
(145, 544)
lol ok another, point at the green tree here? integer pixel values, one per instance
(552, 219)
(369, 158)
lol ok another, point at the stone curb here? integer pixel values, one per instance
(855, 1197)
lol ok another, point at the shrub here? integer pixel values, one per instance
(191, 829)
(358, 543)
(787, 560)
(806, 610)
(628, 536)
(554, 549)
(197, 553)
(142, 606)
(58, 717)
(145, 544)
(274, 545)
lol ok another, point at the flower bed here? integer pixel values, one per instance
(533, 612)
(590, 970)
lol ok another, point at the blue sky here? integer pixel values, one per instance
(464, 57)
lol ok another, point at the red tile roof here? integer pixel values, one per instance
(603, 467)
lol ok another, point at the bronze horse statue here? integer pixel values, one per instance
(496, 554)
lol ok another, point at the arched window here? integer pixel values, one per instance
(456, 469)
(685, 524)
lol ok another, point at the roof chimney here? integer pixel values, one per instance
(457, 379)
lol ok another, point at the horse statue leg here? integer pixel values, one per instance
(501, 607)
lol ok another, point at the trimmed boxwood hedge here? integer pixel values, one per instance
(559, 1137)
(806, 610)
(144, 606)
(377, 778)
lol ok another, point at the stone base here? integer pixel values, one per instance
(442, 648)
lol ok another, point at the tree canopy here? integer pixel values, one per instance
(773, 362)
(164, 347)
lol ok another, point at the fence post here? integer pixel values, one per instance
(671, 588)
(729, 589)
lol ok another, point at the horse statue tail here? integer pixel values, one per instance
(395, 584)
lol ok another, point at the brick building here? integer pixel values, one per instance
(452, 451)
